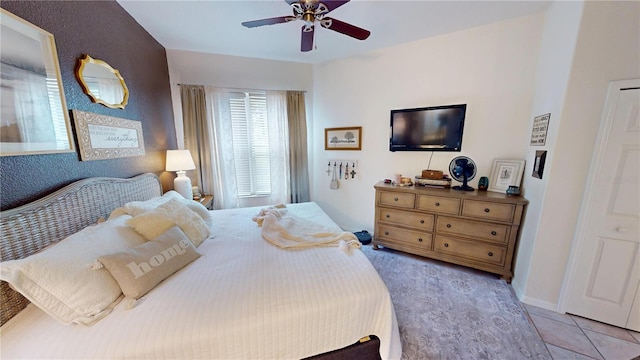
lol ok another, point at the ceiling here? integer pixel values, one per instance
(214, 26)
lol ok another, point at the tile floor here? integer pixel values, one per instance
(573, 337)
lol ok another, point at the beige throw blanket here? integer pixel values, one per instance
(291, 232)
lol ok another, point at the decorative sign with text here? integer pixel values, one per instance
(540, 128)
(107, 137)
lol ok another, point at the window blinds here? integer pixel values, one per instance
(251, 143)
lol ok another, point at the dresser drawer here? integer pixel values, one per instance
(482, 230)
(401, 200)
(439, 204)
(488, 210)
(407, 237)
(407, 218)
(490, 254)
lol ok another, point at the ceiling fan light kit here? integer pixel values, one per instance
(311, 11)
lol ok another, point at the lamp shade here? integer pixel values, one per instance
(178, 160)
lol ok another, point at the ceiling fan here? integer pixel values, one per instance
(311, 11)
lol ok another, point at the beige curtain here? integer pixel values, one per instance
(198, 136)
(298, 161)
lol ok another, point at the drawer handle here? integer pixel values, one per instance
(421, 221)
(494, 233)
(419, 239)
(395, 199)
(386, 233)
(437, 204)
(388, 216)
(449, 226)
(446, 245)
(490, 253)
(486, 210)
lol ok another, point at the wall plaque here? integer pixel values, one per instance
(539, 131)
(106, 137)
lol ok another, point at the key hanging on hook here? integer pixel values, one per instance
(346, 172)
(329, 169)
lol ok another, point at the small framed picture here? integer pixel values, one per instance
(505, 173)
(344, 138)
(538, 163)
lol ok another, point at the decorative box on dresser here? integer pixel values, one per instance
(477, 229)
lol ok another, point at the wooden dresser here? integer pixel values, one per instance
(478, 229)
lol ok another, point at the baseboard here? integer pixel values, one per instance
(532, 301)
(540, 303)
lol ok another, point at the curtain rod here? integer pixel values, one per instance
(243, 89)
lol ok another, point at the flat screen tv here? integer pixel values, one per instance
(437, 128)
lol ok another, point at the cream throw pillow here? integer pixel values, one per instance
(59, 279)
(136, 208)
(139, 269)
(151, 224)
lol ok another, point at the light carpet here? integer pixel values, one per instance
(447, 311)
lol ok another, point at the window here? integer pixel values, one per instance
(250, 133)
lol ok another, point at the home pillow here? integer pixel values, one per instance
(136, 208)
(138, 270)
(59, 279)
(151, 224)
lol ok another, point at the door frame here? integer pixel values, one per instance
(601, 143)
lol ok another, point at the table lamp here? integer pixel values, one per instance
(179, 161)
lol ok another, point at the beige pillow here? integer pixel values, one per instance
(151, 224)
(136, 208)
(139, 269)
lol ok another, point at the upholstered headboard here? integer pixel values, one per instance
(27, 229)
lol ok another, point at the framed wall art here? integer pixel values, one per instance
(539, 130)
(505, 173)
(344, 138)
(34, 117)
(106, 137)
(538, 163)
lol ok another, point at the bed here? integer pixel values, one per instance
(242, 298)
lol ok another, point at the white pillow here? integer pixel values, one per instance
(136, 208)
(59, 279)
(151, 224)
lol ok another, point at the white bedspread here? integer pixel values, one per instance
(243, 299)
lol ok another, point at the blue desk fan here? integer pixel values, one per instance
(462, 169)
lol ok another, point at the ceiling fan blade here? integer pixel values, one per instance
(344, 28)
(330, 4)
(334, 4)
(269, 21)
(306, 44)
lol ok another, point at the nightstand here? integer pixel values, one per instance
(207, 201)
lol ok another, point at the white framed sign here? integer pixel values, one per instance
(539, 130)
(106, 137)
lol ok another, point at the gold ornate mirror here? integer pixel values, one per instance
(102, 83)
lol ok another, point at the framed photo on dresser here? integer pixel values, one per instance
(505, 173)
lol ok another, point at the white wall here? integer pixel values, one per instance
(608, 48)
(559, 37)
(192, 68)
(490, 68)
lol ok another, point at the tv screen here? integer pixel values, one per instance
(437, 128)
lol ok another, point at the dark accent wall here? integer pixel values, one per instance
(104, 30)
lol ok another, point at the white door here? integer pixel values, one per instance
(605, 276)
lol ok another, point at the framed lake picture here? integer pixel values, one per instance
(106, 137)
(344, 138)
(34, 117)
